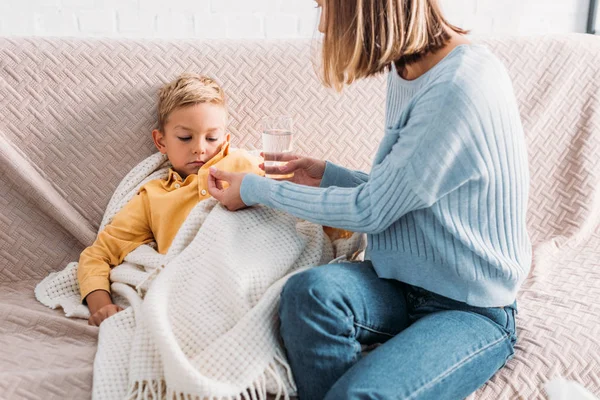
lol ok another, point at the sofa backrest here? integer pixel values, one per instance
(557, 83)
(76, 116)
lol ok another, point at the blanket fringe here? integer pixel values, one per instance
(158, 389)
(147, 390)
(280, 358)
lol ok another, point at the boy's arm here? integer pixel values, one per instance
(97, 299)
(129, 229)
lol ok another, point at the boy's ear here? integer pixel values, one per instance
(159, 141)
(228, 137)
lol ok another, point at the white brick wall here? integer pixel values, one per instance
(259, 18)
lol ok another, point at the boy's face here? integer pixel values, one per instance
(192, 136)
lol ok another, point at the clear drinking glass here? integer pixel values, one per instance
(277, 140)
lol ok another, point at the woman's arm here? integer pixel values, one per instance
(433, 154)
(336, 175)
(317, 173)
(429, 155)
(370, 207)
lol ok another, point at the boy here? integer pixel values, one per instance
(192, 120)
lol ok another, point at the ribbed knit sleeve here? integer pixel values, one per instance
(370, 207)
(430, 157)
(336, 175)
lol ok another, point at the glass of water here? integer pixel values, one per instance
(277, 145)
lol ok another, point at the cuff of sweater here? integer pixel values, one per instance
(336, 175)
(256, 190)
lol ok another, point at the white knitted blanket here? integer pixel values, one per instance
(207, 326)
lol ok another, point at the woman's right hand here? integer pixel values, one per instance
(307, 171)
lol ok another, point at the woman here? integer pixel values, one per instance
(443, 206)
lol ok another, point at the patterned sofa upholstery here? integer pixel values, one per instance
(76, 116)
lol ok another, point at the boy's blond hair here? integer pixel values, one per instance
(188, 89)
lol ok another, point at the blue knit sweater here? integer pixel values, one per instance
(444, 204)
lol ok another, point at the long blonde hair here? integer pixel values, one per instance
(363, 37)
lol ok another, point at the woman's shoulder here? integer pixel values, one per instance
(472, 77)
(474, 68)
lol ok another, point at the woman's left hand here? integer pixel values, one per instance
(230, 197)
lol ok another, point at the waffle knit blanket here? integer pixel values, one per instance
(200, 321)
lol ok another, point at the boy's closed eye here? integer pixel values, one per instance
(185, 139)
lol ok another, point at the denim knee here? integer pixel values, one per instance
(307, 292)
(298, 289)
(343, 389)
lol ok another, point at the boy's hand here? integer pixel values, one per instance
(229, 197)
(101, 306)
(103, 313)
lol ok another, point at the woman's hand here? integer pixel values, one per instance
(229, 196)
(307, 171)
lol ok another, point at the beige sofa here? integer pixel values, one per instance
(76, 116)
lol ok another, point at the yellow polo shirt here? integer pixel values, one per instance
(155, 214)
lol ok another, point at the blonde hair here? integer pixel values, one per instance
(363, 37)
(187, 90)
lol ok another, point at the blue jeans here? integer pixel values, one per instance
(432, 347)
